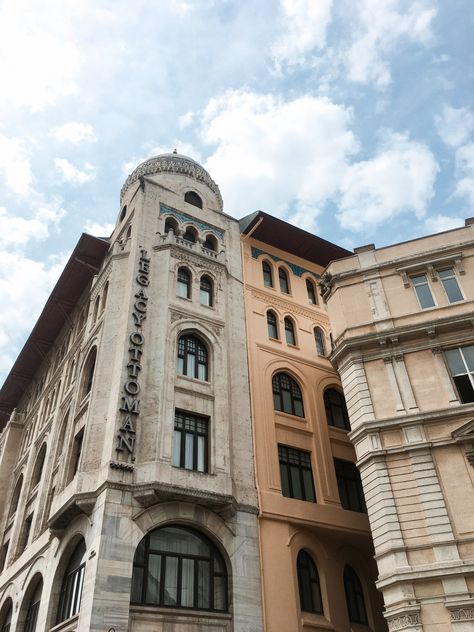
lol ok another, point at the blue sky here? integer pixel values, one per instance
(350, 118)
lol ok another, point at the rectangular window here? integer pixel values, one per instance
(461, 366)
(296, 473)
(423, 291)
(190, 441)
(350, 486)
(451, 285)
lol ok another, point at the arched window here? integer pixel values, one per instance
(88, 373)
(33, 607)
(193, 198)
(190, 235)
(308, 584)
(95, 312)
(6, 616)
(311, 292)
(16, 496)
(171, 224)
(178, 567)
(336, 410)
(206, 291)
(267, 274)
(283, 277)
(354, 597)
(272, 325)
(290, 331)
(184, 283)
(210, 242)
(73, 580)
(287, 395)
(192, 357)
(38, 468)
(123, 212)
(319, 339)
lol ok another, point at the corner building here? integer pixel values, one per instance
(402, 320)
(126, 462)
(318, 571)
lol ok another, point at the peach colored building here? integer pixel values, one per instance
(402, 320)
(315, 545)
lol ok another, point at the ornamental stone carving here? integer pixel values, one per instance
(403, 622)
(462, 614)
(173, 163)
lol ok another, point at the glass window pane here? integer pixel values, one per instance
(177, 448)
(424, 296)
(187, 583)
(285, 484)
(201, 454)
(298, 408)
(465, 388)
(153, 579)
(202, 372)
(455, 362)
(191, 365)
(452, 290)
(137, 584)
(468, 353)
(295, 482)
(204, 584)
(287, 402)
(180, 366)
(188, 451)
(171, 581)
(220, 597)
(277, 401)
(205, 298)
(308, 485)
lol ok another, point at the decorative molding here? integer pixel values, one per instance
(198, 261)
(286, 306)
(121, 465)
(404, 622)
(297, 270)
(462, 614)
(184, 217)
(176, 164)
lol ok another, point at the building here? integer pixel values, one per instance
(402, 321)
(127, 487)
(316, 550)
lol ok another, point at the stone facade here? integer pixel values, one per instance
(94, 454)
(402, 321)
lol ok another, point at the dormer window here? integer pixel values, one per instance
(193, 198)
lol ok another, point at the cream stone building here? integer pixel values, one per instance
(127, 489)
(318, 571)
(402, 321)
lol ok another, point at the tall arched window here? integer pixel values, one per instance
(6, 616)
(354, 597)
(179, 567)
(308, 584)
(290, 331)
(71, 589)
(88, 373)
(310, 289)
(16, 496)
(192, 357)
(171, 224)
(283, 278)
(183, 285)
(193, 198)
(287, 395)
(267, 274)
(272, 325)
(33, 608)
(336, 410)
(319, 339)
(205, 288)
(38, 468)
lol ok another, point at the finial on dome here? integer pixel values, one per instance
(175, 151)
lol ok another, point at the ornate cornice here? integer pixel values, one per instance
(175, 164)
(404, 622)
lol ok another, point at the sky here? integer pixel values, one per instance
(353, 119)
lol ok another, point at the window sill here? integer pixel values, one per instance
(65, 625)
(281, 413)
(315, 621)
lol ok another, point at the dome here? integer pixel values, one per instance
(173, 163)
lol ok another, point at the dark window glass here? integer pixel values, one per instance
(38, 469)
(267, 274)
(311, 292)
(336, 410)
(32, 614)
(184, 283)
(3, 555)
(192, 358)
(423, 291)
(272, 325)
(210, 243)
(193, 198)
(290, 331)
(7, 620)
(16, 496)
(170, 224)
(206, 291)
(283, 277)
(350, 486)
(308, 584)
(461, 366)
(451, 285)
(296, 473)
(190, 441)
(287, 395)
(25, 534)
(319, 339)
(179, 567)
(71, 590)
(89, 371)
(354, 597)
(77, 451)
(189, 236)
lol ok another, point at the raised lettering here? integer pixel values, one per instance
(133, 368)
(135, 353)
(140, 306)
(132, 387)
(142, 279)
(130, 405)
(137, 338)
(126, 441)
(138, 318)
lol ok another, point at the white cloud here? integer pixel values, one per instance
(70, 173)
(18, 231)
(465, 172)
(185, 120)
(15, 165)
(74, 133)
(305, 23)
(455, 125)
(440, 223)
(398, 179)
(379, 28)
(271, 153)
(99, 230)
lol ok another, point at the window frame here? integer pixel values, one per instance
(355, 601)
(289, 459)
(31, 618)
(283, 280)
(267, 271)
(290, 331)
(183, 283)
(191, 197)
(420, 285)
(453, 276)
(195, 433)
(201, 349)
(320, 340)
(294, 392)
(311, 294)
(272, 325)
(72, 585)
(205, 278)
(461, 380)
(329, 406)
(307, 573)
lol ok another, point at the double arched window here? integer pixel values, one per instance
(206, 291)
(354, 597)
(190, 235)
(73, 580)
(290, 331)
(336, 410)
(210, 243)
(272, 325)
(320, 341)
(287, 396)
(179, 567)
(308, 584)
(192, 358)
(33, 607)
(183, 286)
